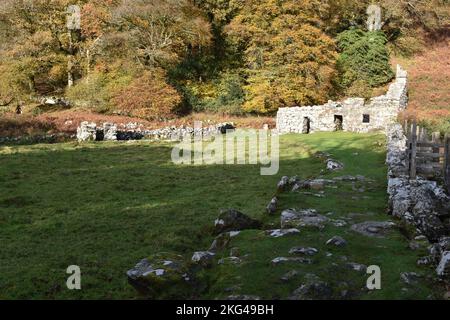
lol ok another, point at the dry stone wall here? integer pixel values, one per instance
(109, 132)
(352, 114)
(420, 203)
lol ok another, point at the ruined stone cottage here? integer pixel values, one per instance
(353, 114)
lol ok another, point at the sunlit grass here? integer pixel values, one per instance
(105, 206)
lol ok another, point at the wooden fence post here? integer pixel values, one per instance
(413, 150)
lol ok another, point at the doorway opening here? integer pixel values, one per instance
(338, 121)
(306, 125)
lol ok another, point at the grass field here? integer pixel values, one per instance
(105, 206)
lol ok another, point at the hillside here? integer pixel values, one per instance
(429, 79)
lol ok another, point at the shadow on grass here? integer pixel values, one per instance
(106, 206)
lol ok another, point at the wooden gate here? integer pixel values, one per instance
(428, 154)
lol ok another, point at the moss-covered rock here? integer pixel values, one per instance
(162, 276)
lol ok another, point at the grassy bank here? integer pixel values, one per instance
(105, 206)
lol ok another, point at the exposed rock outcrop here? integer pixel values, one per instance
(292, 218)
(376, 229)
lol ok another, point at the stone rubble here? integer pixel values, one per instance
(308, 251)
(151, 276)
(280, 260)
(375, 229)
(272, 206)
(230, 260)
(410, 278)
(357, 267)
(292, 218)
(233, 220)
(443, 268)
(203, 258)
(334, 165)
(312, 289)
(278, 233)
(337, 241)
(283, 184)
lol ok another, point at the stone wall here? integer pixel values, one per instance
(357, 116)
(420, 203)
(109, 131)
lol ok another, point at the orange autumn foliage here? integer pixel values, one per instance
(148, 96)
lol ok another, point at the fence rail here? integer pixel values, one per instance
(428, 154)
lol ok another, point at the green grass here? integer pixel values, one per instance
(105, 206)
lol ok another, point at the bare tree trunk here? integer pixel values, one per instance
(70, 62)
(88, 62)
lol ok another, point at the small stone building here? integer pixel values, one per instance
(353, 114)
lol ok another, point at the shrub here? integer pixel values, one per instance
(230, 94)
(223, 95)
(12, 125)
(408, 46)
(148, 96)
(96, 90)
(11, 85)
(90, 91)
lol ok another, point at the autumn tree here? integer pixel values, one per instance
(96, 29)
(148, 96)
(38, 47)
(290, 61)
(161, 30)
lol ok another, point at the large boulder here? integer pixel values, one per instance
(233, 220)
(163, 276)
(421, 203)
(334, 165)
